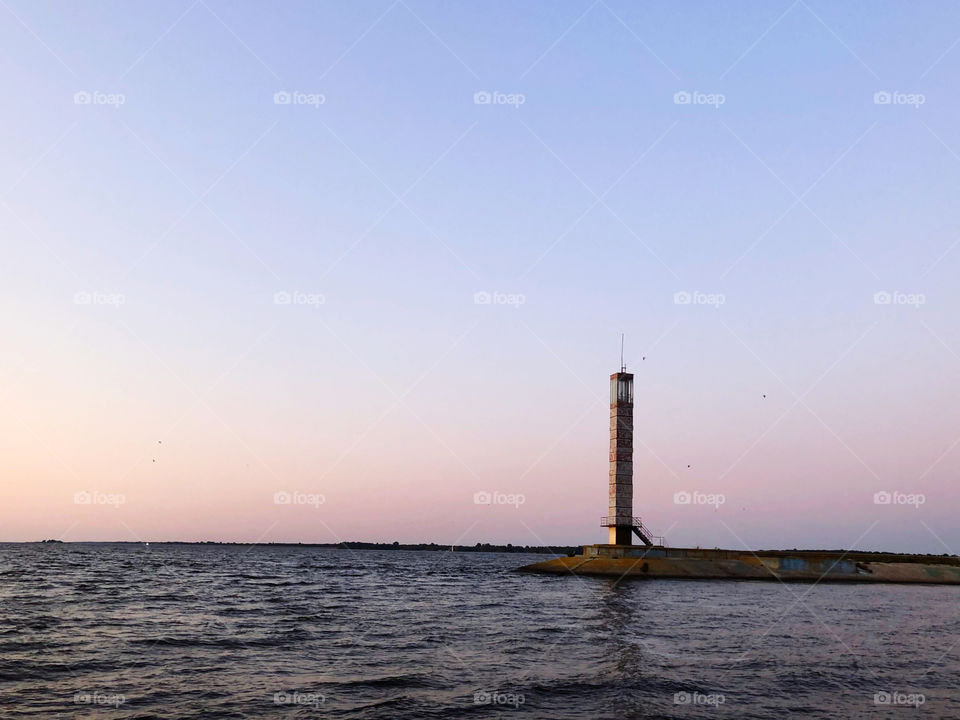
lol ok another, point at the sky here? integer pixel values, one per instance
(325, 271)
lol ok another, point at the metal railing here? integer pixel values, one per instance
(615, 520)
(637, 524)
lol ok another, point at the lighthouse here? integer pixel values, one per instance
(620, 512)
(620, 521)
(619, 558)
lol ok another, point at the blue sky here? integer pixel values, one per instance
(599, 198)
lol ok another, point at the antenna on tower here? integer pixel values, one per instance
(623, 367)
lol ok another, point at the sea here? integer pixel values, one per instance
(248, 631)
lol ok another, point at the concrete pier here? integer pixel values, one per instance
(628, 561)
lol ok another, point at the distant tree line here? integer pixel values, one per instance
(353, 545)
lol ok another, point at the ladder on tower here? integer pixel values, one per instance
(646, 537)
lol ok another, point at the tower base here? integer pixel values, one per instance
(621, 535)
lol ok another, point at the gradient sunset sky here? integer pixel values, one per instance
(160, 204)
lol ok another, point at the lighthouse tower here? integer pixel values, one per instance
(620, 522)
(620, 515)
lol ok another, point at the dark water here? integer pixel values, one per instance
(129, 631)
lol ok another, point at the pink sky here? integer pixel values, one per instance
(413, 291)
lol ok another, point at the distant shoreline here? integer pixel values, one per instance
(435, 547)
(568, 550)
